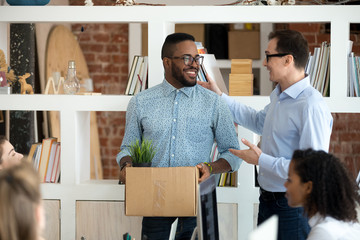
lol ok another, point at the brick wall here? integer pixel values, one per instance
(105, 47)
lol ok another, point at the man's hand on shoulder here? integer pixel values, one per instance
(211, 85)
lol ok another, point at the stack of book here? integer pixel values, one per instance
(45, 157)
(137, 80)
(241, 78)
(225, 179)
(354, 73)
(318, 67)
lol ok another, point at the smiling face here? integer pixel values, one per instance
(176, 72)
(275, 65)
(296, 190)
(9, 156)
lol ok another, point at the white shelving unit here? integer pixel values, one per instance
(75, 110)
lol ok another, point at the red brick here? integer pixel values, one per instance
(90, 57)
(101, 37)
(356, 148)
(356, 50)
(310, 38)
(103, 58)
(325, 37)
(112, 48)
(349, 136)
(119, 38)
(305, 27)
(96, 47)
(124, 49)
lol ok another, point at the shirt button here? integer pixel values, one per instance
(177, 91)
(172, 155)
(174, 120)
(176, 102)
(173, 137)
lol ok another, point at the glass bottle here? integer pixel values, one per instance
(71, 83)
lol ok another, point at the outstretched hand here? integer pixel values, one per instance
(211, 85)
(250, 155)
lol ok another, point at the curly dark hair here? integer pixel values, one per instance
(334, 191)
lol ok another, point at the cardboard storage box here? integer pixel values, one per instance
(160, 191)
(241, 66)
(241, 84)
(244, 44)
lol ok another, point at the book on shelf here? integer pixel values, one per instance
(32, 152)
(50, 161)
(45, 156)
(137, 80)
(131, 74)
(141, 76)
(46, 153)
(36, 158)
(318, 68)
(55, 171)
(222, 179)
(354, 75)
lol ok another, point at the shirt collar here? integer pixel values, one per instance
(294, 90)
(315, 220)
(168, 89)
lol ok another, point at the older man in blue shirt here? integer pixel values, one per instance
(182, 119)
(296, 118)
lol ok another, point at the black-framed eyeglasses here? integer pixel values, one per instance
(189, 60)
(275, 55)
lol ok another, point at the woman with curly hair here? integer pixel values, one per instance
(320, 183)
(21, 210)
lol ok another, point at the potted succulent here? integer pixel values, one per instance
(142, 154)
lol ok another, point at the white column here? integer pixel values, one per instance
(157, 32)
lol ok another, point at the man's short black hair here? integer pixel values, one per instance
(294, 43)
(173, 39)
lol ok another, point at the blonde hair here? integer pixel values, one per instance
(19, 197)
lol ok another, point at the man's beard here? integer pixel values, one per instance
(178, 74)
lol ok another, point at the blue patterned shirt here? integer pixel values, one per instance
(182, 124)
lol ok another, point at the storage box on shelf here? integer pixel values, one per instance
(75, 118)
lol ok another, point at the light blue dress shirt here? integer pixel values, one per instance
(297, 118)
(182, 124)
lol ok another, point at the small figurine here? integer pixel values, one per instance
(89, 3)
(25, 87)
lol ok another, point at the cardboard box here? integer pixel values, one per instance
(244, 44)
(161, 192)
(241, 84)
(241, 66)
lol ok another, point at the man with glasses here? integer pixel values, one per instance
(297, 117)
(182, 119)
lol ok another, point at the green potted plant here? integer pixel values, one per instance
(142, 154)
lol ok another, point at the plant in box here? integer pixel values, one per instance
(142, 154)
